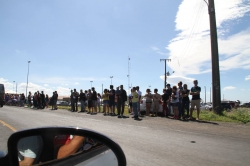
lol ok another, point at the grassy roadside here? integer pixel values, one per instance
(240, 115)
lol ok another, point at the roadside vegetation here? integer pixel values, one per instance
(239, 115)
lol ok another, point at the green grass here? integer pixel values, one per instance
(240, 115)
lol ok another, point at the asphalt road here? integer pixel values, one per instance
(153, 141)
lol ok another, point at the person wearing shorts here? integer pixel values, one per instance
(112, 100)
(195, 102)
(105, 98)
(175, 102)
(156, 100)
(89, 101)
(149, 98)
(139, 99)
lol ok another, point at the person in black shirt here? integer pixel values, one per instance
(164, 101)
(42, 98)
(185, 101)
(169, 93)
(112, 100)
(82, 100)
(94, 100)
(121, 101)
(55, 100)
(75, 96)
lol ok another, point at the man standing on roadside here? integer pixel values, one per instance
(55, 100)
(180, 108)
(169, 93)
(121, 101)
(82, 100)
(112, 99)
(75, 96)
(139, 100)
(94, 100)
(164, 101)
(195, 92)
(42, 96)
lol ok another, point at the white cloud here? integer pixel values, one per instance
(154, 48)
(157, 50)
(76, 83)
(173, 80)
(247, 78)
(229, 88)
(46, 85)
(190, 49)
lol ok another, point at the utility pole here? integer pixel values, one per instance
(215, 58)
(165, 75)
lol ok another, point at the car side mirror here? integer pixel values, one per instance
(62, 146)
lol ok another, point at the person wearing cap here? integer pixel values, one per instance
(122, 97)
(149, 98)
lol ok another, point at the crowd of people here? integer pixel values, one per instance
(113, 101)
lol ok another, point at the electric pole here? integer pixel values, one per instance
(215, 59)
(165, 75)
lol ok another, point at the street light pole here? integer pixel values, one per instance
(91, 84)
(111, 79)
(27, 78)
(165, 75)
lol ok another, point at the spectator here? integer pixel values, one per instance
(52, 101)
(112, 100)
(185, 101)
(22, 100)
(139, 99)
(156, 100)
(55, 100)
(149, 97)
(105, 98)
(99, 102)
(89, 102)
(82, 100)
(180, 89)
(47, 100)
(175, 102)
(169, 93)
(130, 102)
(195, 92)
(75, 100)
(135, 98)
(122, 97)
(29, 100)
(164, 101)
(94, 101)
(42, 96)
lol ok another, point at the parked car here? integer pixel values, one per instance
(143, 106)
(209, 107)
(247, 105)
(226, 106)
(62, 103)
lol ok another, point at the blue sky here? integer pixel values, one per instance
(71, 43)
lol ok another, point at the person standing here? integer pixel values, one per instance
(149, 98)
(112, 100)
(94, 101)
(42, 98)
(121, 101)
(89, 102)
(175, 102)
(135, 98)
(55, 100)
(105, 98)
(185, 101)
(180, 89)
(71, 100)
(99, 97)
(156, 100)
(195, 92)
(75, 100)
(82, 100)
(52, 100)
(22, 100)
(164, 102)
(139, 100)
(169, 93)
(47, 100)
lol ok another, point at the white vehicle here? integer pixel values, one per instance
(143, 106)
(209, 107)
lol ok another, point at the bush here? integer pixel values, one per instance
(240, 114)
